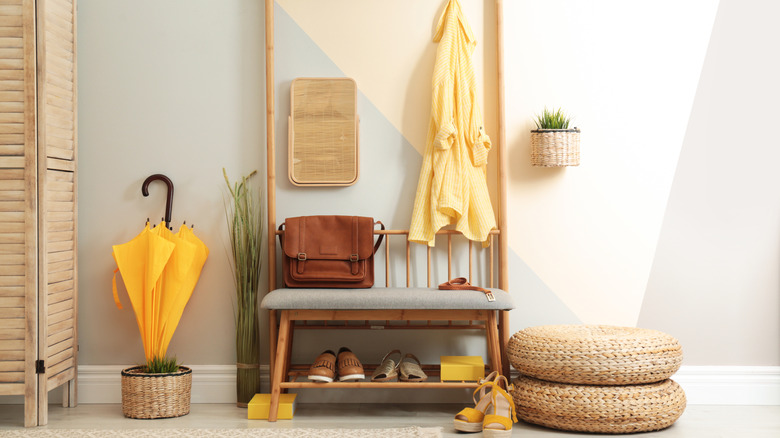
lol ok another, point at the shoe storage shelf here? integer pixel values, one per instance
(420, 307)
(38, 284)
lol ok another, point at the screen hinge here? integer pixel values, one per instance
(40, 367)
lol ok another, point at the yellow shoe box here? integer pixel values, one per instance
(261, 403)
(458, 368)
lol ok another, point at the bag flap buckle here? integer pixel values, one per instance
(353, 258)
(302, 256)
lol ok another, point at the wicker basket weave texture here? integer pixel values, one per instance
(323, 131)
(601, 409)
(156, 395)
(555, 147)
(596, 355)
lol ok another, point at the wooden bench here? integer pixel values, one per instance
(361, 309)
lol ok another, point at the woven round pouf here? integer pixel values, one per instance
(596, 355)
(598, 408)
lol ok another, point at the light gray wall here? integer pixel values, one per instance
(172, 87)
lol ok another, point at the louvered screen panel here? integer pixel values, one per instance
(60, 276)
(57, 137)
(17, 200)
(12, 276)
(59, 74)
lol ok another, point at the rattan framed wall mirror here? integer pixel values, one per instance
(323, 147)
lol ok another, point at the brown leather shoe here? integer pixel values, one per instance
(350, 368)
(324, 367)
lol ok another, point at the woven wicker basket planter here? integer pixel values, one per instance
(555, 147)
(156, 395)
(602, 409)
(596, 355)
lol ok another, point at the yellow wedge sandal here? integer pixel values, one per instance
(470, 419)
(499, 423)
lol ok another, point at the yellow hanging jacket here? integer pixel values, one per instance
(452, 186)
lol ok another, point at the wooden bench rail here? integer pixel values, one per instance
(301, 371)
(377, 385)
(304, 325)
(449, 233)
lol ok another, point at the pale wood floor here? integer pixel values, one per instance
(697, 421)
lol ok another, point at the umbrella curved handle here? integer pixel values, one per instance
(168, 200)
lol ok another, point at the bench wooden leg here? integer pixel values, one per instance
(503, 333)
(280, 364)
(494, 351)
(287, 359)
(272, 334)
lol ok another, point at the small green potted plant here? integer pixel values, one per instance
(553, 144)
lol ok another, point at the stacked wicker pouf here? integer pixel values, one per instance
(601, 379)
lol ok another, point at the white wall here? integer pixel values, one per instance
(715, 278)
(590, 232)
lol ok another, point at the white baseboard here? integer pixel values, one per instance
(703, 385)
(730, 385)
(210, 383)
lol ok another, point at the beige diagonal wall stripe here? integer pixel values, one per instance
(628, 75)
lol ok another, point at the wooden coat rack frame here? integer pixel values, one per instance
(285, 376)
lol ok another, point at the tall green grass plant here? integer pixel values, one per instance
(245, 224)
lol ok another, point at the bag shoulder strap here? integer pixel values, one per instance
(379, 241)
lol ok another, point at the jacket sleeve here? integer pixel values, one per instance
(443, 114)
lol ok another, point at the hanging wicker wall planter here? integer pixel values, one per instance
(156, 395)
(555, 147)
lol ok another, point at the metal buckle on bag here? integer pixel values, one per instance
(490, 296)
(353, 258)
(302, 256)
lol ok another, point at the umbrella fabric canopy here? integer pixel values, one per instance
(173, 308)
(452, 188)
(160, 270)
(141, 262)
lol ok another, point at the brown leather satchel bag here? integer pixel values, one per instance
(329, 251)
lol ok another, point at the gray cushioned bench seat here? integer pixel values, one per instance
(379, 298)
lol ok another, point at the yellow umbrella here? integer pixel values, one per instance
(141, 262)
(168, 265)
(452, 188)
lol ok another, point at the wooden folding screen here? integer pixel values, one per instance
(38, 214)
